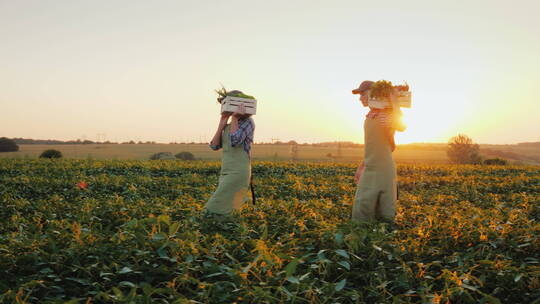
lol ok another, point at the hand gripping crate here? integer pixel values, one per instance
(404, 100)
(230, 104)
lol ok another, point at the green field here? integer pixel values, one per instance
(415, 153)
(90, 231)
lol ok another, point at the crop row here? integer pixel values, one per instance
(133, 231)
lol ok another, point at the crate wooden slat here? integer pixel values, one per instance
(404, 100)
(230, 104)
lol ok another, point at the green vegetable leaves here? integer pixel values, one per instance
(222, 93)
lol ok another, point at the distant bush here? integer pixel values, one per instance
(51, 154)
(162, 155)
(185, 156)
(496, 161)
(8, 145)
(462, 150)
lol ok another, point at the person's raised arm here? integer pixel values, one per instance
(396, 111)
(396, 119)
(215, 144)
(242, 130)
(397, 123)
(358, 173)
(241, 110)
(390, 135)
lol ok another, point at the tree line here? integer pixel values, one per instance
(460, 149)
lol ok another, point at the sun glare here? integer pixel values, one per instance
(428, 125)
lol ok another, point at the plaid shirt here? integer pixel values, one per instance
(384, 116)
(244, 135)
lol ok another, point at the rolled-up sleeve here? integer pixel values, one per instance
(245, 129)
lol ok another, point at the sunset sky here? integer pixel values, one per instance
(147, 70)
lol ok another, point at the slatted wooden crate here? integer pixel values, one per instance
(404, 100)
(230, 104)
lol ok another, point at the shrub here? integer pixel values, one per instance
(51, 153)
(8, 145)
(496, 161)
(162, 155)
(185, 156)
(462, 150)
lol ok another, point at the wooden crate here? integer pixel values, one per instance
(404, 100)
(230, 104)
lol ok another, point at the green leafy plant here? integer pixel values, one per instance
(51, 153)
(382, 89)
(185, 156)
(77, 231)
(496, 161)
(222, 93)
(162, 155)
(8, 145)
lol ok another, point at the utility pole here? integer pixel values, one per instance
(294, 151)
(100, 137)
(274, 140)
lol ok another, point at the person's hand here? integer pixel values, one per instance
(224, 119)
(241, 110)
(225, 115)
(390, 133)
(358, 174)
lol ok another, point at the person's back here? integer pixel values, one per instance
(377, 147)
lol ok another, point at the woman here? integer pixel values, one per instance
(376, 193)
(235, 139)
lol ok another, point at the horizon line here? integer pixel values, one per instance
(81, 141)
